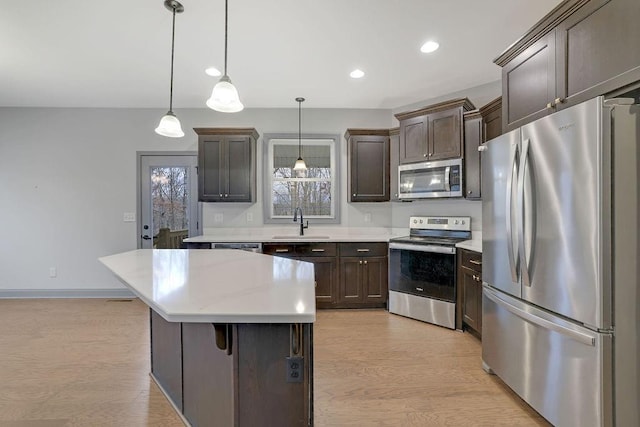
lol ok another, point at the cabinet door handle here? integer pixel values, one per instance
(220, 194)
(226, 195)
(362, 250)
(280, 251)
(475, 262)
(317, 250)
(425, 155)
(469, 192)
(549, 105)
(558, 101)
(360, 262)
(354, 194)
(365, 263)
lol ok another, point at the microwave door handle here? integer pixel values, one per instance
(447, 182)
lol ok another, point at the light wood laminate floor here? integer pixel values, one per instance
(66, 362)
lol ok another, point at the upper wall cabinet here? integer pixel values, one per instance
(368, 151)
(226, 164)
(432, 133)
(479, 127)
(581, 49)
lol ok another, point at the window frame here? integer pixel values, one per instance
(268, 141)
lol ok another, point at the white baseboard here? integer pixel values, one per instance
(66, 293)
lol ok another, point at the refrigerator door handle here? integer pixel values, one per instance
(539, 321)
(512, 165)
(524, 268)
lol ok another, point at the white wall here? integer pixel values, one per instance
(68, 175)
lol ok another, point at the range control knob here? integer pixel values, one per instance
(415, 221)
(455, 222)
(462, 222)
(420, 221)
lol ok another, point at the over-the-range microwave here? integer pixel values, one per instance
(423, 180)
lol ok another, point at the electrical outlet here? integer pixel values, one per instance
(129, 217)
(218, 217)
(53, 272)
(295, 369)
(249, 217)
(367, 217)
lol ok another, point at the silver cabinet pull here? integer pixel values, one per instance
(549, 105)
(475, 262)
(360, 262)
(558, 101)
(282, 250)
(317, 250)
(365, 263)
(362, 250)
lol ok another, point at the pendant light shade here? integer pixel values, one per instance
(169, 124)
(224, 97)
(300, 168)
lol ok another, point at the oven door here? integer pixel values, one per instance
(423, 270)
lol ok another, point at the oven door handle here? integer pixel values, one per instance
(447, 178)
(423, 248)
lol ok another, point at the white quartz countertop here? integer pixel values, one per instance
(221, 286)
(472, 245)
(291, 234)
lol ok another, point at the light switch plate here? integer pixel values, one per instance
(218, 217)
(129, 217)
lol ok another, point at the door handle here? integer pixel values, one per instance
(145, 237)
(524, 268)
(513, 152)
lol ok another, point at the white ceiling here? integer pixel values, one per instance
(97, 53)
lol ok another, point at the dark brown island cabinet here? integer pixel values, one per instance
(470, 291)
(233, 374)
(348, 275)
(581, 49)
(368, 163)
(432, 133)
(480, 126)
(324, 257)
(227, 164)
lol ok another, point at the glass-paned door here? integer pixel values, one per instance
(168, 200)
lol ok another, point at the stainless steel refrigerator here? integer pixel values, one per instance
(561, 305)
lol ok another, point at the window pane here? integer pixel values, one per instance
(169, 198)
(313, 197)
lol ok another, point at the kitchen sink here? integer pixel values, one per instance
(298, 237)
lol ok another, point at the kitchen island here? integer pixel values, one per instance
(231, 333)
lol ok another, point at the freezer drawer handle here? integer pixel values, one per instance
(578, 336)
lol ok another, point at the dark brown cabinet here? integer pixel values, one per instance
(325, 262)
(581, 49)
(226, 164)
(394, 160)
(479, 127)
(470, 290)
(363, 275)
(432, 133)
(368, 163)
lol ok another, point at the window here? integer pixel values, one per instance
(316, 193)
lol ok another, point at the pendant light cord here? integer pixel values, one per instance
(173, 36)
(226, 17)
(299, 127)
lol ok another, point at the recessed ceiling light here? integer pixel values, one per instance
(356, 74)
(213, 72)
(429, 47)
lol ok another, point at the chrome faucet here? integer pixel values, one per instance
(295, 219)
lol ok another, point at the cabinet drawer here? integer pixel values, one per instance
(363, 249)
(316, 249)
(472, 260)
(278, 249)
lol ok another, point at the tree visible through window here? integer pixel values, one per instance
(315, 192)
(169, 198)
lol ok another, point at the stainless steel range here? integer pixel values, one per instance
(422, 269)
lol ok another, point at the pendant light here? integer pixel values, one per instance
(169, 123)
(300, 168)
(224, 97)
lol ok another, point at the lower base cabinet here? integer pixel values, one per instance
(470, 290)
(348, 275)
(235, 374)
